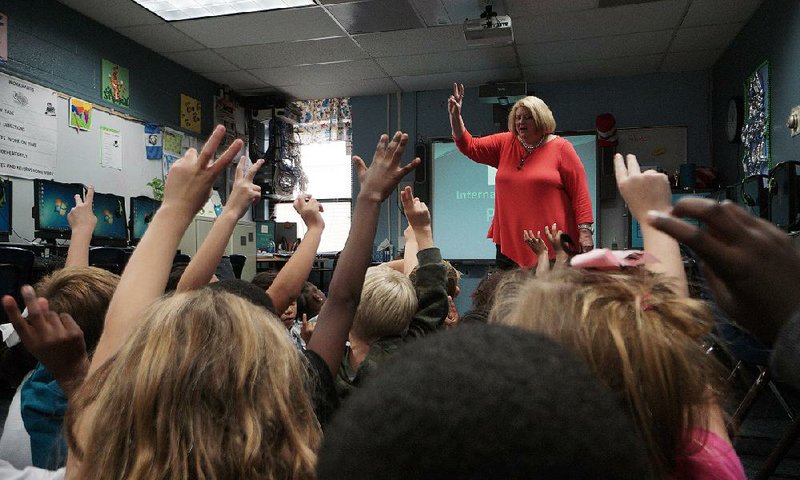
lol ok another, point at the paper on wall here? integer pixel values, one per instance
(111, 148)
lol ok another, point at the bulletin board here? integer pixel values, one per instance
(80, 159)
(663, 147)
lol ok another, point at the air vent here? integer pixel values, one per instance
(621, 3)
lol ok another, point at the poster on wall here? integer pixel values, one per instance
(80, 114)
(757, 158)
(116, 88)
(111, 148)
(173, 142)
(27, 129)
(190, 113)
(3, 38)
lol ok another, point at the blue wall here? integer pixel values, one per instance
(57, 47)
(773, 34)
(636, 101)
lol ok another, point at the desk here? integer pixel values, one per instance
(264, 264)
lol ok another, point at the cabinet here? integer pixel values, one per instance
(242, 242)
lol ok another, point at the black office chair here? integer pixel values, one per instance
(238, 261)
(16, 269)
(112, 259)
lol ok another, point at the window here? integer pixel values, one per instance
(329, 171)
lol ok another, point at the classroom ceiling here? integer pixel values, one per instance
(369, 47)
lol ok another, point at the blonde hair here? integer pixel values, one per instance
(388, 302)
(543, 120)
(84, 293)
(209, 387)
(639, 337)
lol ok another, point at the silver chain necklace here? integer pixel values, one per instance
(529, 149)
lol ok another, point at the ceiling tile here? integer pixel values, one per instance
(445, 80)
(465, 60)
(350, 89)
(599, 22)
(160, 38)
(411, 42)
(713, 12)
(621, 66)
(201, 61)
(293, 53)
(375, 16)
(261, 27)
(236, 80)
(340, 72)
(643, 43)
(705, 38)
(114, 13)
(689, 61)
(519, 8)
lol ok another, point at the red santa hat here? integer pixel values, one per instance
(606, 130)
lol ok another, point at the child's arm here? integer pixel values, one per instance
(81, 223)
(377, 182)
(538, 246)
(430, 284)
(290, 279)
(204, 263)
(650, 191)
(187, 189)
(410, 252)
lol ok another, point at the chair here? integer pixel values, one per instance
(112, 259)
(181, 258)
(16, 270)
(238, 261)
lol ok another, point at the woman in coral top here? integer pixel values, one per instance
(540, 179)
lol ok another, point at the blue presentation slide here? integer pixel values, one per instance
(463, 204)
(110, 212)
(55, 202)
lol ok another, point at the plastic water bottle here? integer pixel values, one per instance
(271, 246)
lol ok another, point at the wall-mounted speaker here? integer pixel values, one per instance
(422, 180)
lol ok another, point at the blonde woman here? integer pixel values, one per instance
(642, 336)
(540, 179)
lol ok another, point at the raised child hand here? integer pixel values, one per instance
(642, 191)
(416, 211)
(381, 178)
(309, 209)
(535, 242)
(244, 192)
(81, 215)
(191, 177)
(55, 340)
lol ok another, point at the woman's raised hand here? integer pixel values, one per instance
(454, 102)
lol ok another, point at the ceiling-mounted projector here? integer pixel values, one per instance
(490, 29)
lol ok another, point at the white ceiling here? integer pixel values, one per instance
(368, 47)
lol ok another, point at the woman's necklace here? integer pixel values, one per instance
(529, 148)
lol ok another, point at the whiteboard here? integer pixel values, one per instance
(663, 147)
(78, 161)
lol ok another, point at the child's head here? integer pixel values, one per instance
(84, 293)
(310, 301)
(208, 387)
(453, 278)
(264, 280)
(638, 336)
(484, 402)
(388, 303)
(289, 315)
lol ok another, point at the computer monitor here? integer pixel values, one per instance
(111, 229)
(52, 201)
(635, 238)
(142, 211)
(5, 210)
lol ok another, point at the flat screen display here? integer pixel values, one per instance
(111, 220)
(52, 202)
(5, 209)
(142, 211)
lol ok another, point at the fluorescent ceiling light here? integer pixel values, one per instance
(172, 10)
